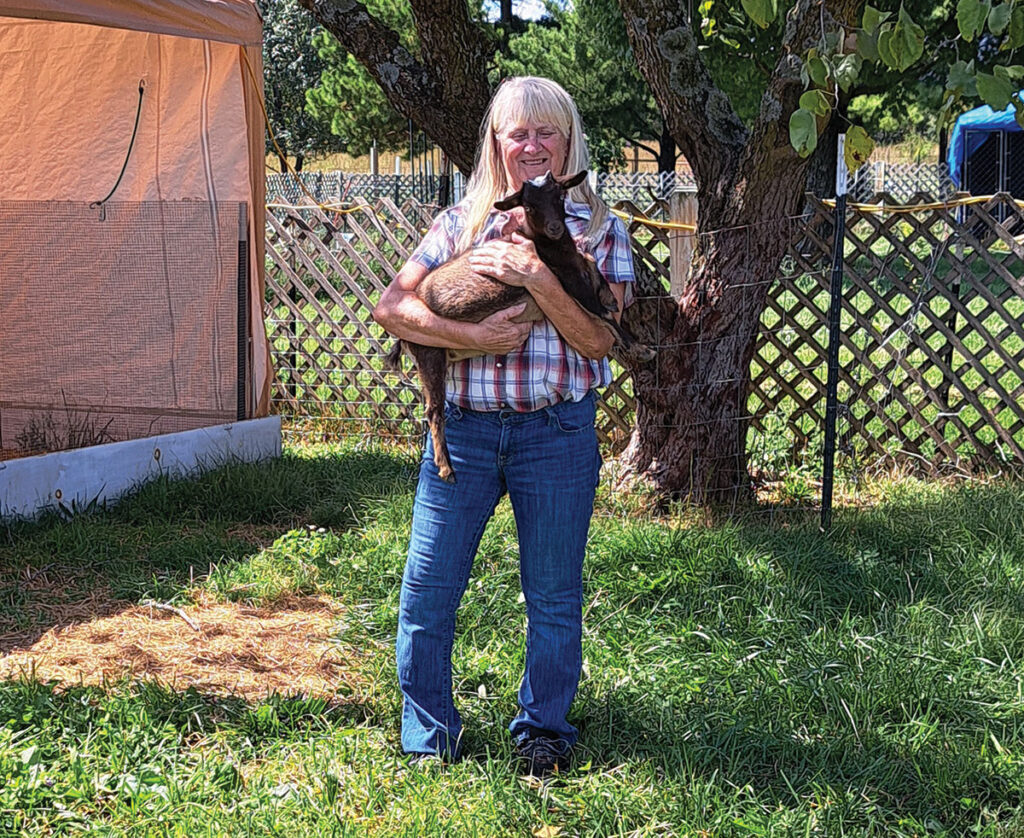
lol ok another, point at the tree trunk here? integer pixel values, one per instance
(689, 440)
(282, 162)
(299, 159)
(691, 402)
(691, 415)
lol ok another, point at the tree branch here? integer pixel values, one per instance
(452, 78)
(697, 113)
(769, 150)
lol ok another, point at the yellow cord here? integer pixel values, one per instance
(629, 218)
(338, 209)
(901, 208)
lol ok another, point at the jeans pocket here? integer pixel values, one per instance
(573, 417)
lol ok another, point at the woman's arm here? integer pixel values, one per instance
(403, 314)
(516, 262)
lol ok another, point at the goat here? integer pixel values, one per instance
(455, 291)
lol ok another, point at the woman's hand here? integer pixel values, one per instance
(497, 334)
(514, 262)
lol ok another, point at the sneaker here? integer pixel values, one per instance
(543, 756)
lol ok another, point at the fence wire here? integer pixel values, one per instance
(931, 355)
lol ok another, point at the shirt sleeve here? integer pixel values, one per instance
(614, 255)
(438, 245)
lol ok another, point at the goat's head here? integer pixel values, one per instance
(543, 200)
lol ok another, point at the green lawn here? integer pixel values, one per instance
(743, 676)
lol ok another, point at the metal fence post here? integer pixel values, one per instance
(834, 307)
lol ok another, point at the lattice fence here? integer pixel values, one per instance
(932, 349)
(901, 181)
(932, 361)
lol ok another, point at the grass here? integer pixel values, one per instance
(744, 676)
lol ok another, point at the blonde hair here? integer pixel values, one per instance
(521, 100)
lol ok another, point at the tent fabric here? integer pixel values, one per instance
(980, 122)
(70, 72)
(231, 21)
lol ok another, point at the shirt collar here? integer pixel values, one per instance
(577, 208)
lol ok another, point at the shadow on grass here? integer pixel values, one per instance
(877, 661)
(162, 538)
(145, 711)
(951, 782)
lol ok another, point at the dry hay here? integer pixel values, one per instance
(237, 650)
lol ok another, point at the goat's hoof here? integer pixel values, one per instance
(445, 471)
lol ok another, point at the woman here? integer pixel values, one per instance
(520, 419)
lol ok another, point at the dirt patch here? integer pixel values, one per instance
(234, 649)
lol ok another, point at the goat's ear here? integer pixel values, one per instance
(513, 200)
(573, 180)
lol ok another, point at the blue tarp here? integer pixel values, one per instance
(981, 122)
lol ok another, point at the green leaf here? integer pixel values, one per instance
(867, 46)
(816, 102)
(970, 17)
(1010, 72)
(857, 148)
(1018, 111)
(762, 12)
(961, 79)
(847, 71)
(999, 18)
(902, 44)
(872, 18)
(803, 132)
(1015, 36)
(994, 91)
(818, 71)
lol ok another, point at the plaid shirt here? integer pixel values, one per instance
(545, 370)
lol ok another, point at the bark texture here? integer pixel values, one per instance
(691, 423)
(444, 90)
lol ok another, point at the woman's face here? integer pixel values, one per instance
(529, 149)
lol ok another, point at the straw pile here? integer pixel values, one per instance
(220, 648)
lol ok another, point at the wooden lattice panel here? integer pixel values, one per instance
(932, 344)
(932, 336)
(325, 272)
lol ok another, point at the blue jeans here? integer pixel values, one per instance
(548, 462)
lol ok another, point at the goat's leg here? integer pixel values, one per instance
(431, 364)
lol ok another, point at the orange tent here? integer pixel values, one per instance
(131, 215)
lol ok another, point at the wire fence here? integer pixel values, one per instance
(903, 182)
(899, 182)
(931, 360)
(337, 187)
